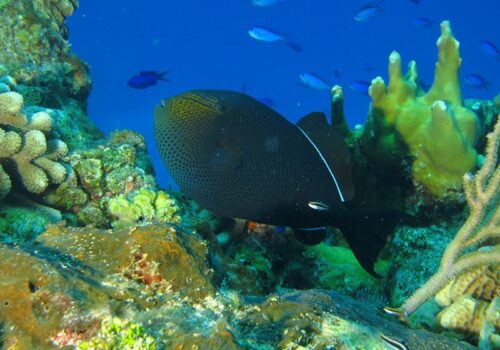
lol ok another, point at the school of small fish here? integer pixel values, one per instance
(366, 12)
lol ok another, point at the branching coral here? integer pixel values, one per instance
(439, 132)
(23, 142)
(482, 192)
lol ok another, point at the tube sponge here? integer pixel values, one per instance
(23, 142)
(440, 133)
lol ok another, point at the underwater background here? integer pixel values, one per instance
(206, 45)
(99, 249)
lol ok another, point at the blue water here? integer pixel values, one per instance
(205, 44)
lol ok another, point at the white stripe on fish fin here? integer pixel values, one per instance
(311, 228)
(326, 164)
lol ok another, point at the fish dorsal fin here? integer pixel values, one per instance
(331, 146)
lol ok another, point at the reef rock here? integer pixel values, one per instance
(79, 286)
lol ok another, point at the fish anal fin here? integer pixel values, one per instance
(366, 231)
(331, 144)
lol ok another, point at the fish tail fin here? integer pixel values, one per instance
(294, 46)
(367, 231)
(162, 75)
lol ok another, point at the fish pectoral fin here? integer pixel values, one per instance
(310, 236)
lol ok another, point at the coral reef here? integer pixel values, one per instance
(145, 205)
(398, 148)
(55, 11)
(439, 132)
(318, 319)
(22, 220)
(36, 52)
(112, 185)
(471, 303)
(337, 269)
(70, 123)
(157, 282)
(483, 283)
(151, 269)
(470, 261)
(482, 192)
(23, 143)
(67, 286)
(108, 184)
(430, 242)
(118, 334)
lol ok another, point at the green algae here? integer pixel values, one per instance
(117, 334)
(338, 269)
(4, 3)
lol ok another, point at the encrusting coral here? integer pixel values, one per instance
(37, 55)
(438, 130)
(482, 192)
(471, 304)
(146, 205)
(56, 10)
(112, 185)
(23, 142)
(482, 282)
(477, 319)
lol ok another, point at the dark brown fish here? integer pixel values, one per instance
(240, 159)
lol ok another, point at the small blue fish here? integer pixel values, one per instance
(145, 79)
(313, 81)
(265, 3)
(490, 49)
(368, 11)
(422, 22)
(280, 229)
(360, 86)
(476, 81)
(270, 36)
